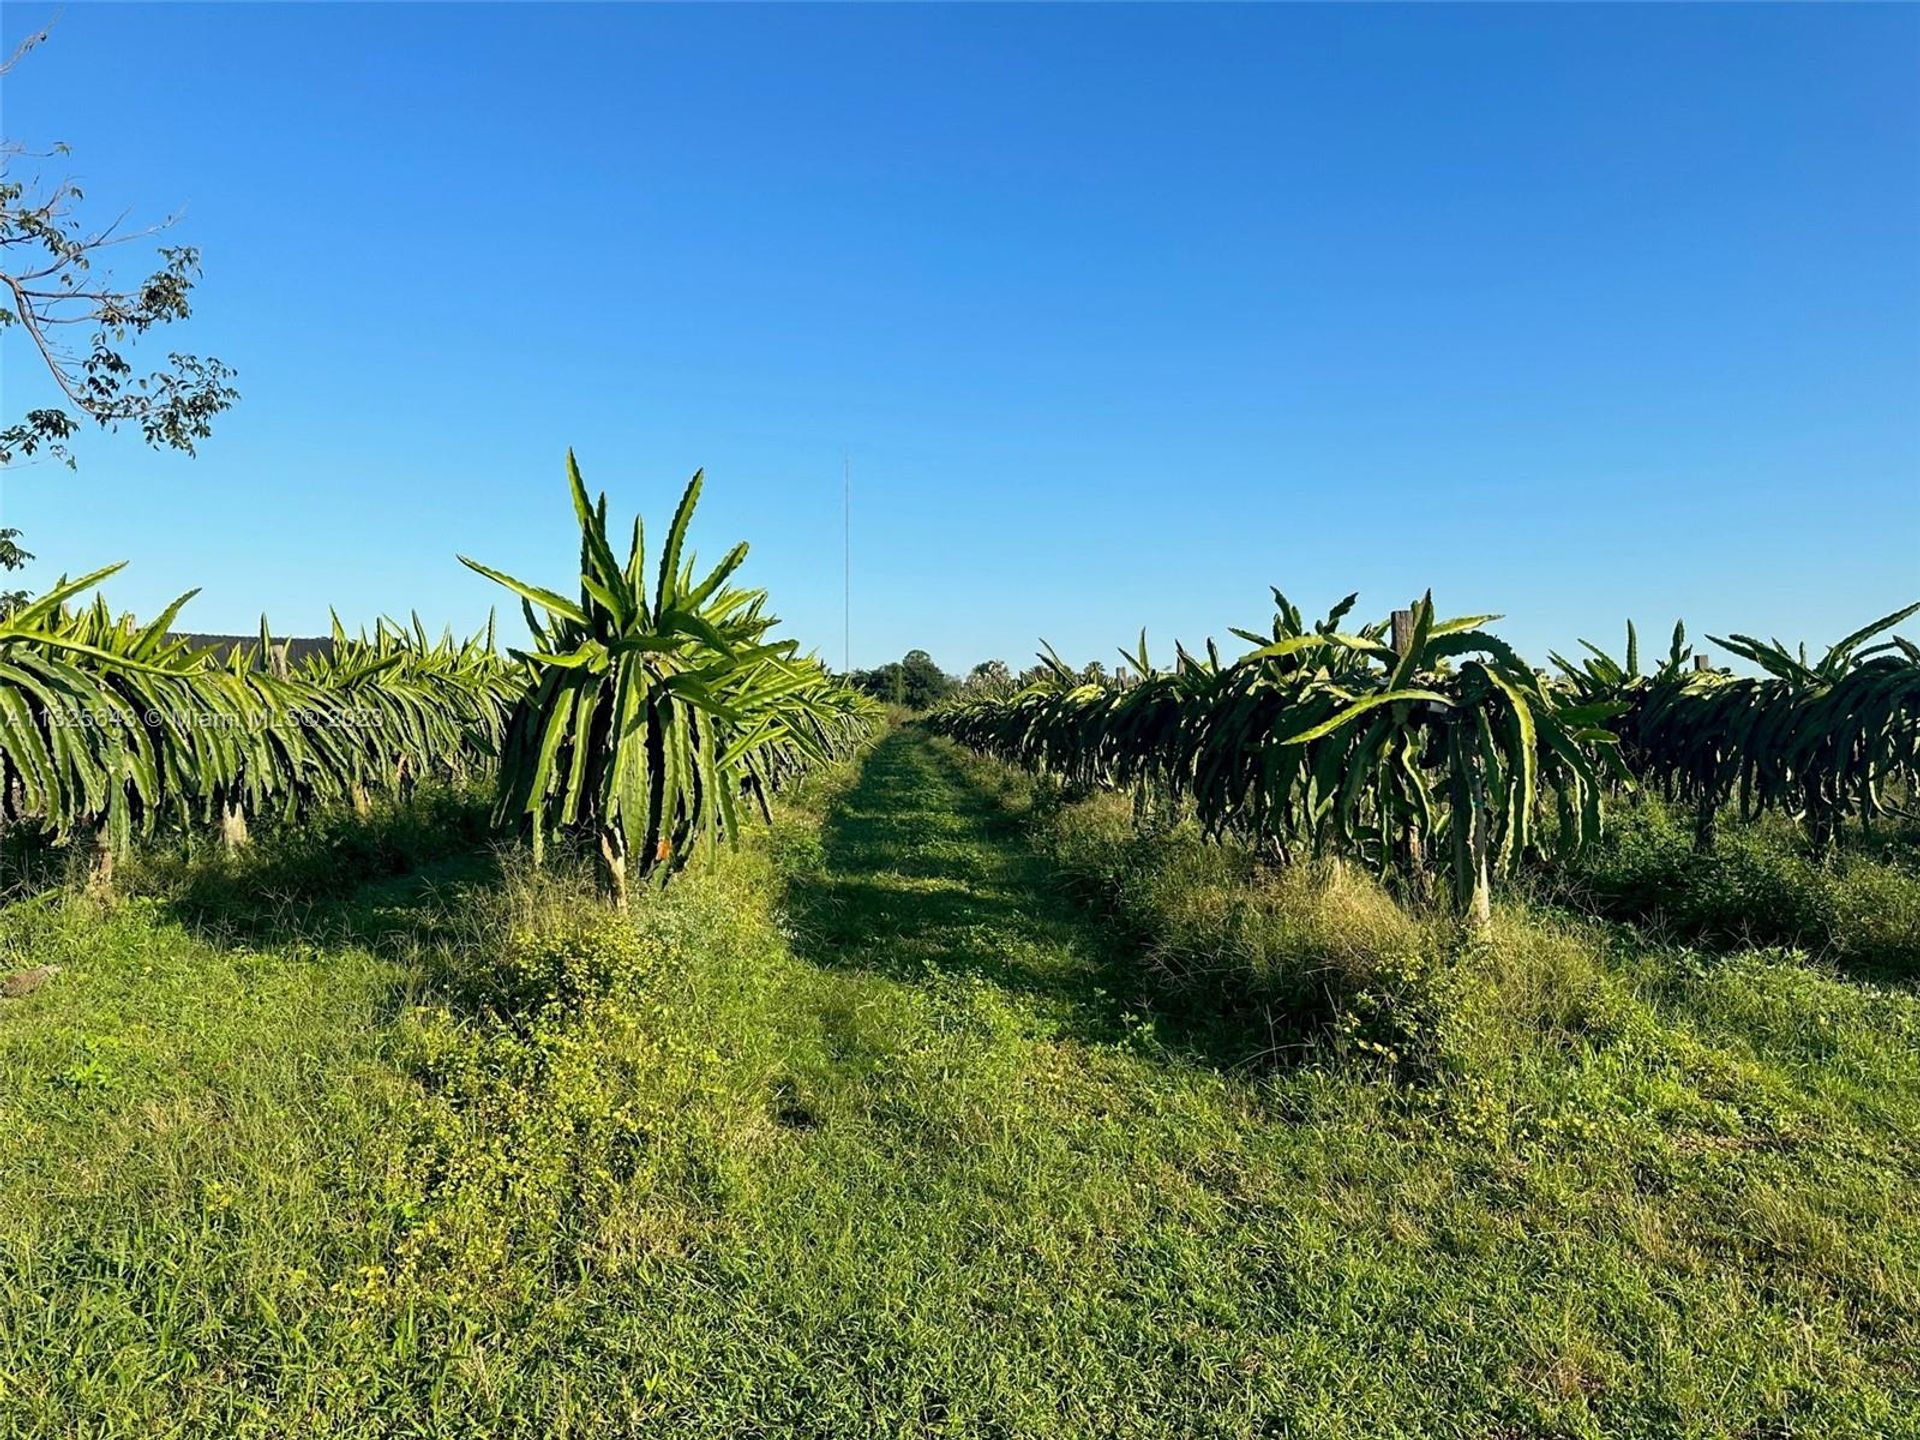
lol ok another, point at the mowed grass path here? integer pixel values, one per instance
(926, 875)
(903, 1155)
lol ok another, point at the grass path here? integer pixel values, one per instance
(997, 1215)
(925, 875)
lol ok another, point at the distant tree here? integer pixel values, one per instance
(1053, 671)
(50, 288)
(990, 679)
(924, 683)
(883, 682)
(12, 558)
(913, 681)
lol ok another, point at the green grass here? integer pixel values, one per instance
(944, 1109)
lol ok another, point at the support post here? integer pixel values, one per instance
(613, 865)
(100, 876)
(1409, 851)
(1402, 631)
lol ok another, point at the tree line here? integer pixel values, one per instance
(917, 682)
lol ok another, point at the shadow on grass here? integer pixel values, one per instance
(410, 883)
(925, 873)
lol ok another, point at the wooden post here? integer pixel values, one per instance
(1705, 824)
(1402, 631)
(1410, 852)
(1472, 859)
(613, 865)
(100, 877)
(1706, 815)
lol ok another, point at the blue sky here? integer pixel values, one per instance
(1124, 313)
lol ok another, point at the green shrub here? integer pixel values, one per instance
(1758, 887)
(1293, 959)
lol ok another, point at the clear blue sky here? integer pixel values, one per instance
(1125, 313)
